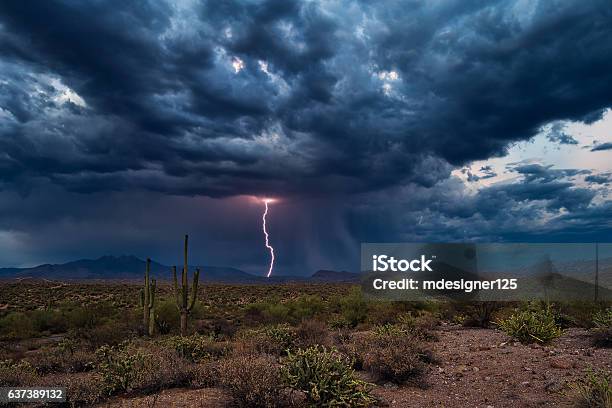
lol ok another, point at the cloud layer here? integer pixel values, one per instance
(227, 98)
(340, 101)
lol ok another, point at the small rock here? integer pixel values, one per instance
(561, 364)
(525, 384)
(476, 369)
(391, 386)
(553, 386)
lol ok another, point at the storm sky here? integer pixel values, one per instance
(124, 125)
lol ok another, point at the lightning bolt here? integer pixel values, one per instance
(265, 231)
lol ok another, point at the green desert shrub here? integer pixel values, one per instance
(407, 324)
(603, 318)
(595, 390)
(60, 360)
(354, 307)
(393, 357)
(275, 339)
(531, 325)
(252, 381)
(270, 311)
(195, 347)
(339, 322)
(149, 368)
(109, 333)
(87, 317)
(291, 311)
(16, 326)
(602, 331)
(326, 378)
(277, 312)
(48, 321)
(17, 374)
(383, 312)
(389, 329)
(34, 323)
(281, 334)
(120, 366)
(306, 307)
(167, 316)
(253, 342)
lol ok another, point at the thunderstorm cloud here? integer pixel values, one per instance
(352, 110)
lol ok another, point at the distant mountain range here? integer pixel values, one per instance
(335, 276)
(128, 267)
(131, 267)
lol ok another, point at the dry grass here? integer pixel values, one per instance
(396, 358)
(253, 381)
(312, 332)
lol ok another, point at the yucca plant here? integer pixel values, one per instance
(531, 325)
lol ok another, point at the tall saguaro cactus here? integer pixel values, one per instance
(152, 308)
(184, 304)
(144, 295)
(147, 300)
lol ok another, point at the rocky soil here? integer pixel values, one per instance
(475, 368)
(484, 368)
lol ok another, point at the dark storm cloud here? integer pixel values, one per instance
(557, 134)
(538, 172)
(486, 172)
(112, 112)
(348, 97)
(526, 209)
(602, 147)
(602, 178)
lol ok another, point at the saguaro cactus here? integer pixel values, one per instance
(147, 300)
(184, 304)
(152, 308)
